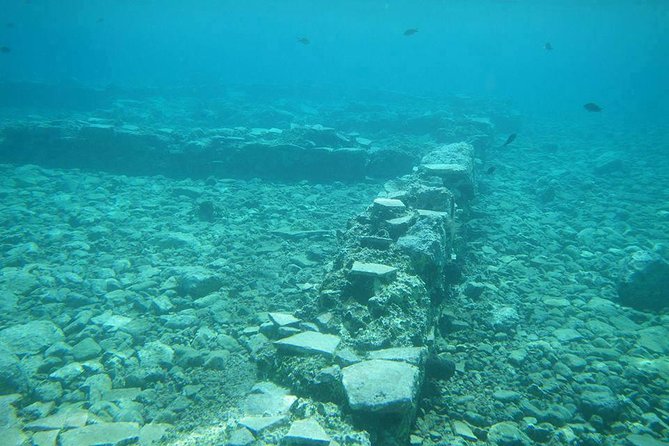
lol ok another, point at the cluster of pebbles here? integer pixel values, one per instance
(431, 309)
(544, 351)
(123, 298)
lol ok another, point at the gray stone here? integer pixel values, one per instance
(473, 290)
(240, 437)
(18, 281)
(427, 244)
(644, 440)
(309, 342)
(268, 400)
(454, 163)
(13, 377)
(153, 433)
(31, 338)
(8, 301)
(654, 339)
(375, 270)
(45, 438)
(642, 281)
(102, 434)
(567, 334)
(411, 355)
(463, 430)
(504, 319)
(506, 396)
(389, 204)
(507, 434)
(198, 281)
(381, 386)
(63, 420)
(217, 360)
(306, 433)
(97, 386)
(259, 424)
(601, 401)
(12, 436)
(68, 373)
(283, 319)
(156, 354)
(8, 417)
(86, 349)
(176, 240)
(608, 163)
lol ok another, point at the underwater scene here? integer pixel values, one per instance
(343, 223)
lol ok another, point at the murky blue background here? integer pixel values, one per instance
(610, 52)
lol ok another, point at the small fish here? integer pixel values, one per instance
(592, 107)
(5, 49)
(490, 170)
(548, 46)
(303, 40)
(410, 32)
(100, 20)
(510, 139)
(10, 25)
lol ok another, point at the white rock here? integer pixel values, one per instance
(310, 342)
(381, 386)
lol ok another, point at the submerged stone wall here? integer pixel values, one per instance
(310, 152)
(366, 345)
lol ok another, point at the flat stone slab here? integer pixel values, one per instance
(411, 355)
(426, 213)
(268, 400)
(283, 319)
(443, 170)
(107, 434)
(31, 338)
(373, 270)
(45, 438)
(306, 433)
(63, 420)
(389, 203)
(259, 424)
(567, 334)
(381, 386)
(463, 430)
(310, 342)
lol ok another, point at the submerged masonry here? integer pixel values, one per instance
(367, 344)
(350, 366)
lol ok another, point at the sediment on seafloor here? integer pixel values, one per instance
(366, 345)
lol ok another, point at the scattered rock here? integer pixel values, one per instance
(31, 338)
(309, 342)
(642, 281)
(306, 433)
(381, 386)
(112, 434)
(507, 434)
(374, 270)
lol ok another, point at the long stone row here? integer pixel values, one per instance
(308, 152)
(366, 345)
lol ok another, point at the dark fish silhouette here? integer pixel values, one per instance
(592, 107)
(548, 46)
(100, 20)
(510, 139)
(490, 170)
(5, 49)
(303, 40)
(10, 25)
(410, 32)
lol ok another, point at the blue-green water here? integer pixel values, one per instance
(355, 223)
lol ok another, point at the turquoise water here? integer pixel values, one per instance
(355, 223)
